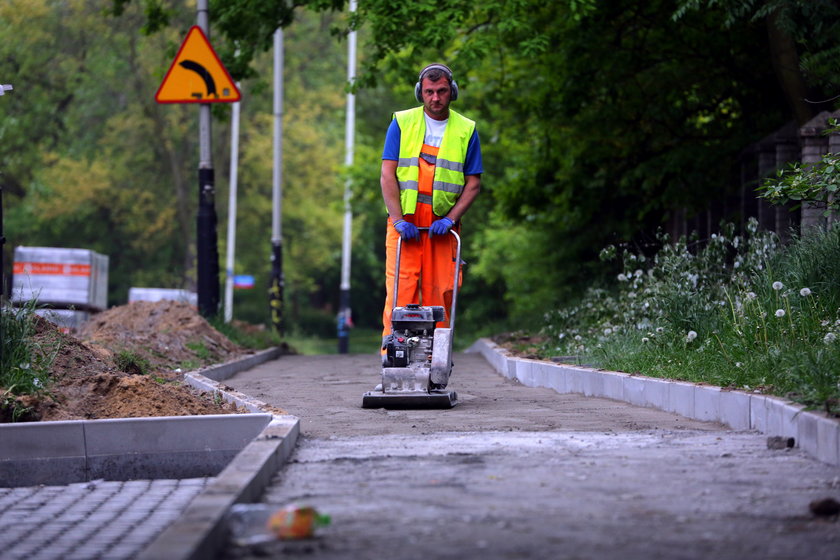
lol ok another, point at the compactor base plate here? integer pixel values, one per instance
(410, 400)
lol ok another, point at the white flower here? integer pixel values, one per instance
(578, 337)
(561, 336)
(805, 292)
(660, 330)
(645, 340)
(780, 313)
(690, 336)
(622, 277)
(829, 338)
(778, 286)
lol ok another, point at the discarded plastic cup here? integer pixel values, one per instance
(251, 524)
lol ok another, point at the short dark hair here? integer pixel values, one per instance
(436, 74)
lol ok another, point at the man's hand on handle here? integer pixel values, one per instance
(441, 226)
(407, 230)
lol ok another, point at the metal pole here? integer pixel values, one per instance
(231, 231)
(276, 284)
(3, 89)
(207, 250)
(344, 313)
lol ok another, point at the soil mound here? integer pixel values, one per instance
(128, 362)
(169, 335)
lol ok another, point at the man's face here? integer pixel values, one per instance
(436, 97)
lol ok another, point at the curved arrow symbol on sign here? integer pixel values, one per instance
(201, 71)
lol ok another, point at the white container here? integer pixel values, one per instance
(158, 294)
(64, 319)
(61, 278)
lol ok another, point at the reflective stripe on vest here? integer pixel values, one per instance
(449, 180)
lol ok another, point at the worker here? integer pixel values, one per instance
(431, 174)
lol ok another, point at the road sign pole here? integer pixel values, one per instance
(207, 250)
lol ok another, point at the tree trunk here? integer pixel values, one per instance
(786, 65)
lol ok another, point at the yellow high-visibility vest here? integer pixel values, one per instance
(449, 167)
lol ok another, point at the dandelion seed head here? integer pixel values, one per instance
(645, 340)
(829, 338)
(607, 332)
(622, 277)
(780, 313)
(660, 330)
(751, 295)
(805, 292)
(778, 286)
(690, 336)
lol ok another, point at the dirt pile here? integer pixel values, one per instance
(129, 362)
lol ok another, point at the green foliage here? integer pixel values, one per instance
(597, 120)
(814, 183)
(26, 361)
(247, 336)
(201, 351)
(737, 311)
(131, 362)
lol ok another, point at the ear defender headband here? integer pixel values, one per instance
(418, 90)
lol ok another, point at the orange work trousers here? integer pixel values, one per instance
(427, 272)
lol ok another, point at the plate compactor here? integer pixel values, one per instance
(417, 361)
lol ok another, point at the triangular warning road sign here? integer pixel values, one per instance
(197, 75)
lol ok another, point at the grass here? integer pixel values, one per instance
(201, 351)
(735, 311)
(360, 341)
(132, 362)
(24, 363)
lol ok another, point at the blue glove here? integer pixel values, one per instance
(407, 230)
(441, 227)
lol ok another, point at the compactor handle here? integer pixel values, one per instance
(454, 279)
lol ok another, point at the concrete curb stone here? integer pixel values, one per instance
(814, 432)
(200, 531)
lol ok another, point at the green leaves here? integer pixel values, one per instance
(815, 183)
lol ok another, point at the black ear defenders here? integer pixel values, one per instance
(418, 93)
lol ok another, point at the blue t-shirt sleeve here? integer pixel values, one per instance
(473, 165)
(392, 142)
